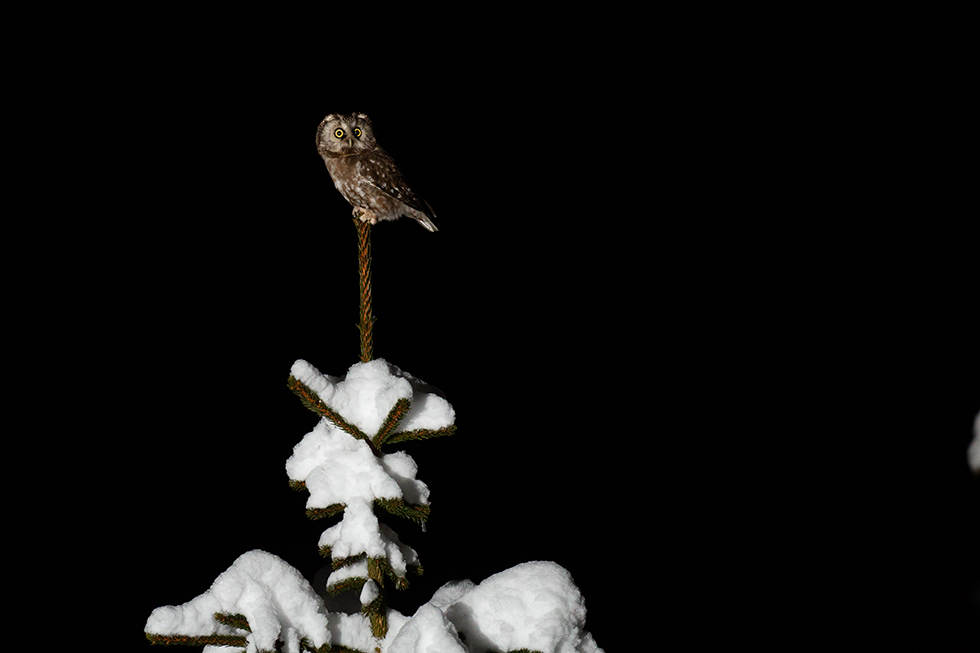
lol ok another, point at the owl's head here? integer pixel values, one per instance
(342, 134)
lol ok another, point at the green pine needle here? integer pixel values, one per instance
(395, 415)
(352, 583)
(338, 648)
(305, 645)
(417, 513)
(420, 434)
(234, 620)
(323, 513)
(312, 401)
(337, 563)
(200, 640)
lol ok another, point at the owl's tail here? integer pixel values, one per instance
(424, 219)
(426, 222)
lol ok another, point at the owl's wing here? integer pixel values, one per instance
(386, 177)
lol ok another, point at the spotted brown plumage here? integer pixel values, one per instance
(365, 174)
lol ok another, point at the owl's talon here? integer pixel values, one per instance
(364, 215)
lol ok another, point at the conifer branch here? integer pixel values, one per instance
(418, 513)
(395, 415)
(377, 609)
(312, 401)
(323, 513)
(420, 434)
(234, 620)
(238, 621)
(305, 645)
(337, 563)
(351, 583)
(339, 648)
(401, 582)
(198, 640)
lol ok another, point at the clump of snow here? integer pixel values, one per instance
(974, 451)
(360, 532)
(322, 384)
(349, 474)
(338, 468)
(369, 592)
(368, 392)
(354, 570)
(273, 596)
(429, 631)
(451, 592)
(354, 631)
(321, 444)
(402, 469)
(534, 605)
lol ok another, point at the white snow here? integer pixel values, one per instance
(534, 605)
(321, 384)
(428, 411)
(339, 468)
(352, 631)
(317, 447)
(274, 597)
(402, 469)
(348, 475)
(451, 592)
(429, 631)
(336, 466)
(974, 451)
(354, 570)
(359, 531)
(369, 592)
(369, 391)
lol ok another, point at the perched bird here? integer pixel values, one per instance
(365, 174)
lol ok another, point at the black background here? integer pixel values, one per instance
(702, 305)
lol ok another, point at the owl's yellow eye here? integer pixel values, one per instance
(357, 132)
(339, 133)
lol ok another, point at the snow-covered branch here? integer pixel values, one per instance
(258, 600)
(341, 464)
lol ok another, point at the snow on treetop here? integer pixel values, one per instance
(338, 468)
(272, 595)
(368, 392)
(360, 532)
(343, 467)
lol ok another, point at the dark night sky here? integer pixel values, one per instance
(703, 317)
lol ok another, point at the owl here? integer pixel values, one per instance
(365, 174)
